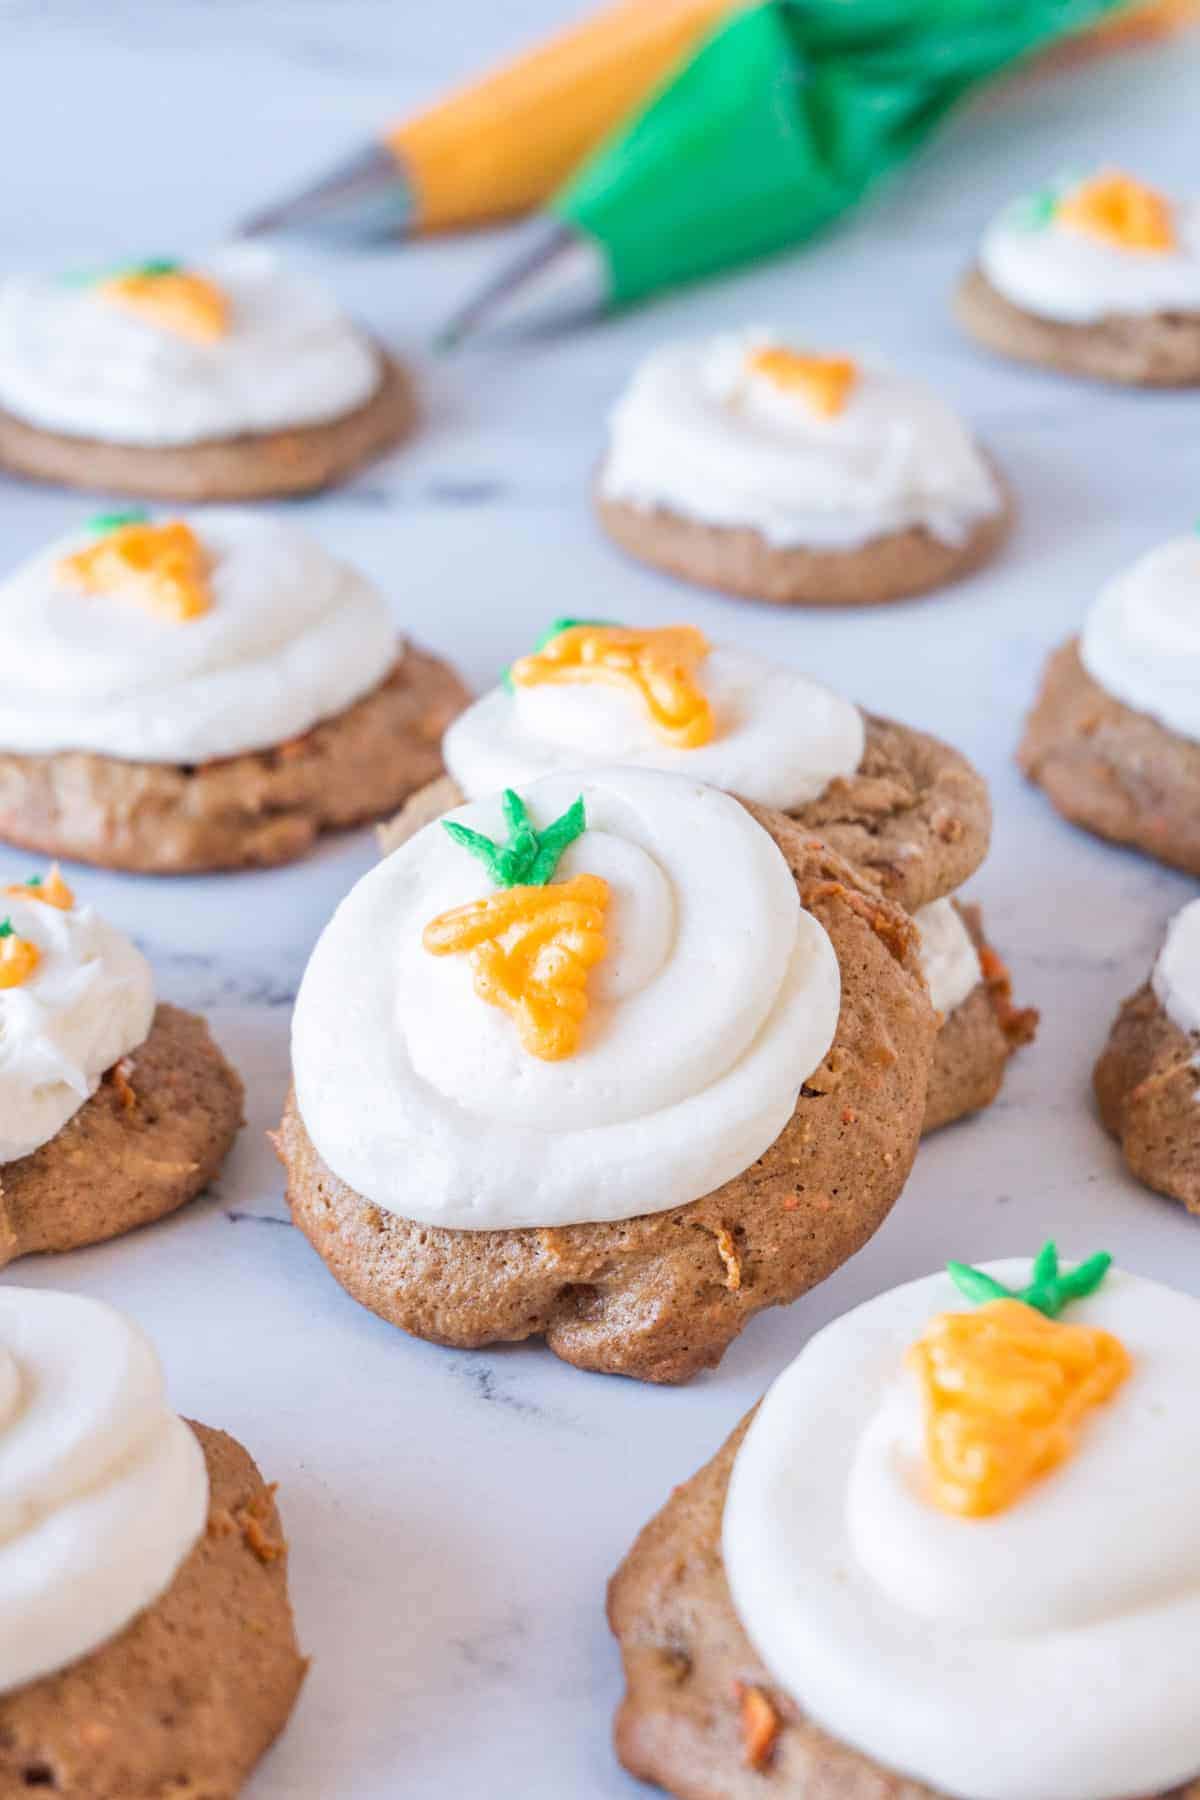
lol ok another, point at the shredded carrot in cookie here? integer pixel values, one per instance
(1119, 210)
(1005, 1390)
(760, 1725)
(161, 568)
(660, 665)
(531, 949)
(175, 300)
(826, 382)
(53, 891)
(120, 1076)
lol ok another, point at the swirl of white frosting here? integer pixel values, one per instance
(88, 1003)
(1176, 976)
(699, 433)
(1044, 1650)
(1060, 273)
(293, 636)
(72, 362)
(1141, 638)
(779, 738)
(718, 996)
(103, 1490)
(949, 959)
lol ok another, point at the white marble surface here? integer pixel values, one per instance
(454, 1517)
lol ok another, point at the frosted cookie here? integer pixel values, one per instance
(228, 379)
(114, 1110)
(1148, 1078)
(911, 813)
(753, 465)
(1114, 736)
(147, 1645)
(971, 992)
(210, 694)
(882, 1587)
(619, 1061)
(1097, 277)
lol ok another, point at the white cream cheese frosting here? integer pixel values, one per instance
(103, 1490)
(71, 362)
(293, 636)
(700, 434)
(1141, 638)
(88, 1003)
(1074, 278)
(1043, 1651)
(949, 959)
(1176, 976)
(719, 995)
(779, 739)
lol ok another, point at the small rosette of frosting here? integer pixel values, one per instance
(954, 1649)
(87, 1002)
(72, 361)
(717, 995)
(706, 432)
(1037, 256)
(949, 959)
(777, 738)
(290, 635)
(1141, 639)
(103, 1490)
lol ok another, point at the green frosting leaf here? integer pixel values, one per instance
(528, 858)
(102, 523)
(6, 928)
(1049, 1289)
(155, 265)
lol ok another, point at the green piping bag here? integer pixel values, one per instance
(783, 119)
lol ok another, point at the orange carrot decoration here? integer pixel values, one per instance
(18, 957)
(659, 664)
(826, 382)
(159, 567)
(52, 891)
(173, 298)
(531, 945)
(1005, 1389)
(1119, 210)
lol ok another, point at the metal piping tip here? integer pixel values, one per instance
(365, 196)
(557, 278)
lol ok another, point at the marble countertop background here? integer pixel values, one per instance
(454, 1517)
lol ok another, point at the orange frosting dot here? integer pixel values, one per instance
(826, 382)
(660, 665)
(1005, 1390)
(1119, 210)
(51, 892)
(531, 949)
(159, 567)
(179, 301)
(18, 960)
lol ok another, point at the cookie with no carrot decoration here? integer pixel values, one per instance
(911, 813)
(972, 994)
(1148, 1078)
(224, 380)
(148, 1646)
(1114, 736)
(205, 695)
(620, 1062)
(748, 464)
(1097, 277)
(114, 1111)
(887, 1582)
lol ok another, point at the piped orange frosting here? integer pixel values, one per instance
(175, 300)
(53, 891)
(531, 949)
(1005, 1391)
(826, 382)
(661, 665)
(18, 957)
(1114, 207)
(159, 567)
